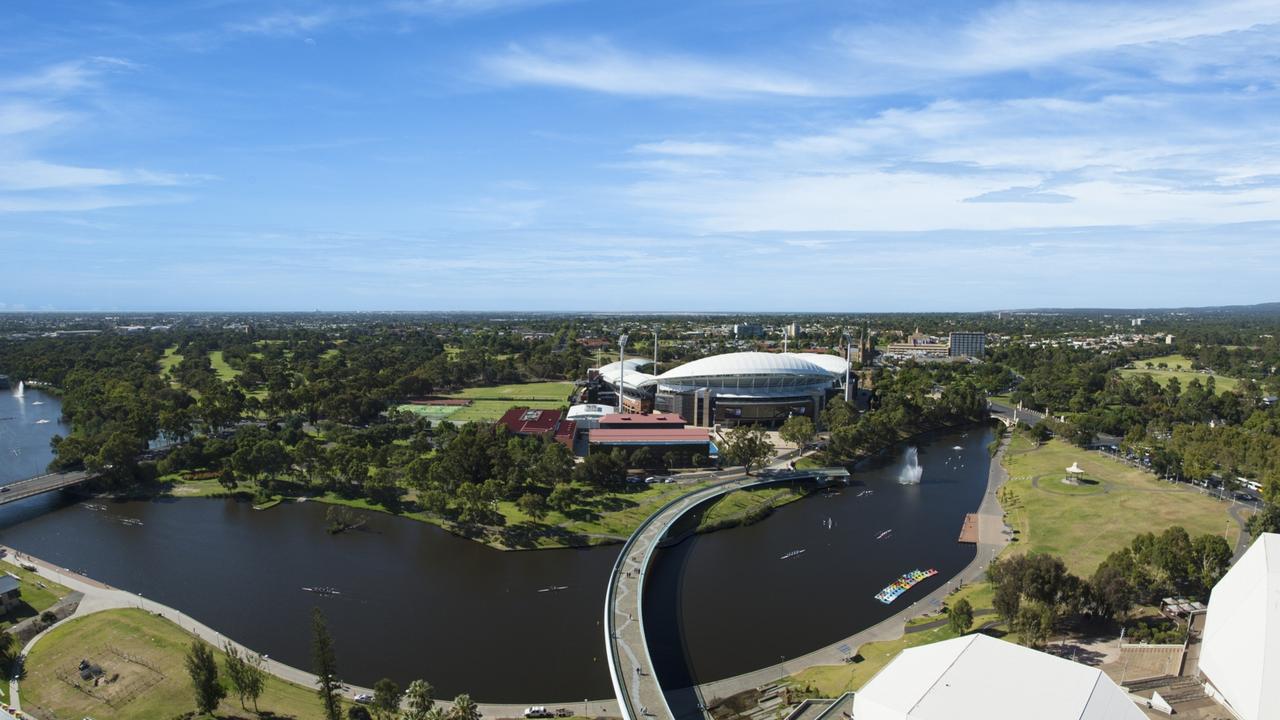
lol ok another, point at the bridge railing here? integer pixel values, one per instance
(629, 712)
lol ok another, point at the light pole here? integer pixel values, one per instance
(622, 368)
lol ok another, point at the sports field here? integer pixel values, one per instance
(1178, 366)
(489, 403)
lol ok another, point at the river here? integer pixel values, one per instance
(27, 423)
(418, 602)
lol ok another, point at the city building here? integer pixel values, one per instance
(588, 415)
(623, 421)
(748, 330)
(682, 444)
(1240, 650)
(919, 344)
(731, 389)
(977, 677)
(550, 424)
(967, 344)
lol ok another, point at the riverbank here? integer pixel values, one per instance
(100, 597)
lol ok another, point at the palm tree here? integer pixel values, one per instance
(464, 708)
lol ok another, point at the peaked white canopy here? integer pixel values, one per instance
(1240, 653)
(977, 677)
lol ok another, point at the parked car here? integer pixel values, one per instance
(537, 711)
(362, 698)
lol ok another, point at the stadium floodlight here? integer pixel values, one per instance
(622, 367)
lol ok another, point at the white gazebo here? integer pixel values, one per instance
(1075, 474)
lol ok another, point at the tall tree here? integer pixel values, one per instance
(203, 670)
(420, 698)
(324, 662)
(797, 430)
(246, 672)
(386, 699)
(747, 446)
(961, 617)
(464, 708)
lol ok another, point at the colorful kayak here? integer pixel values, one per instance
(903, 584)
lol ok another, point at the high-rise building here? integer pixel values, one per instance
(968, 344)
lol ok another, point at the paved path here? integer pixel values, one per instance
(991, 540)
(99, 596)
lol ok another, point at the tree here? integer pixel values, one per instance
(203, 670)
(561, 497)
(420, 697)
(961, 617)
(358, 712)
(1111, 588)
(746, 446)
(246, 672)
(797, 430)
(464, 708)
(1034, 623)
(386, 699)
(324, 662)
(533, 504)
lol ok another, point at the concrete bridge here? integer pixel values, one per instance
(635, 683)
(42, 484)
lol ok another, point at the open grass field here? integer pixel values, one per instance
(225, 372)
(144, 654)
(1184, 375)
(169, 360)
(1084, 525)
(489, 403)
(38, 595)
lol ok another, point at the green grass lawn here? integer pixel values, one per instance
(146, 653)
(1184, 375)
(740, 505)
(38, 594)
(225, 372)
(169, 361)
(554, 391)
(1083, 526)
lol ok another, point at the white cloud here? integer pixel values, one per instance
(599, 67)
(1022, 34)
(286, 23)
(462, 7)
(41, 175)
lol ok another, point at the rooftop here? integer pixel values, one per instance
(650, 436)
(524, 421)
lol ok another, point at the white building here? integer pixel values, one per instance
(1240, 652)
(587, 415)
(977, 677)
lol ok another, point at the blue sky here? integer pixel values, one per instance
(748, 155)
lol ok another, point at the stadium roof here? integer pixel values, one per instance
(977, 677)
(833, 364)
(752, 363)
(1241, 645)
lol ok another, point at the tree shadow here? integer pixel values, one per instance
(525, 535)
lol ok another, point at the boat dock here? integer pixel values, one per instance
(969, 531)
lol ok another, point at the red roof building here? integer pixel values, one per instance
(634, 421)
(526, 421)
(643, 436)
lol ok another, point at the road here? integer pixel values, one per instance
(41, 484)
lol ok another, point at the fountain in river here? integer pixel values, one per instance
(911, 470)
(20, 390)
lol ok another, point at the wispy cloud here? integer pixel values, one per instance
(286, 23)
(1025, 35)
(598, 66)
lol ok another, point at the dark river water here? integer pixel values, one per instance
(419, 602)
(27, 423)
(725, 603)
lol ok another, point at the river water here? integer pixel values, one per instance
(418, 602)
(27, 423)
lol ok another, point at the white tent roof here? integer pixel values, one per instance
(749, 363)
(977, 677)
(632, 377)
(833, 364)
(1241, 645)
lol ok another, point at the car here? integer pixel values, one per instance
(537, 711)
(5, 489)
(652, 479)
(362, 698)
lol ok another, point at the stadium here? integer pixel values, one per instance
(752, 388)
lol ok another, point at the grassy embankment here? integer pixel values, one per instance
(489, 403)
(38, 595)
(743, 507)
(1179, 366)
(1080, 524)
(145, 654)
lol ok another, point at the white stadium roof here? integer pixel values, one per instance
(755, 363)
(977, 677)
(1241, 645)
